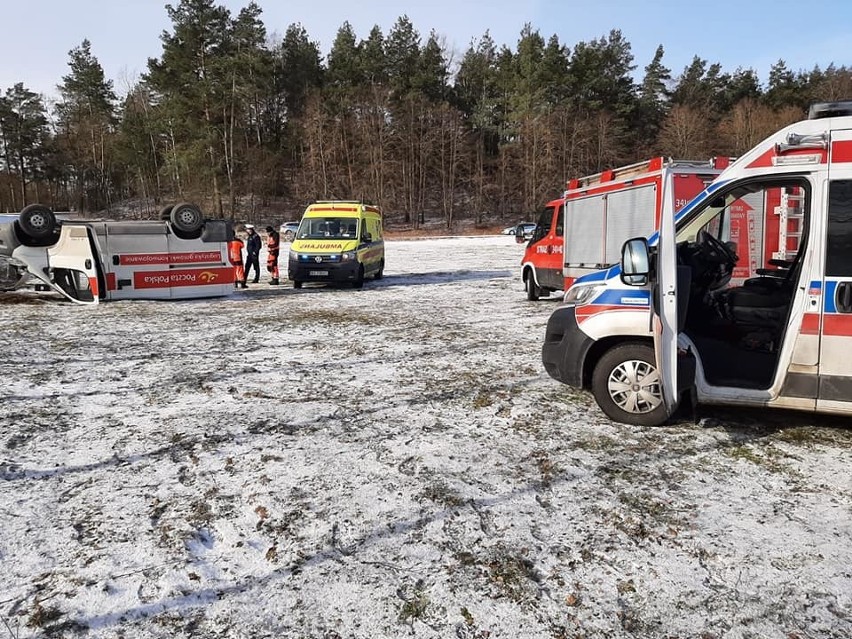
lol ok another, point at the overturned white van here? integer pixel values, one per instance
(180, 256)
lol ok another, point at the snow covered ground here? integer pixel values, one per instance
(389, 462)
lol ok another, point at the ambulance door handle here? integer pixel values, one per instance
(844, 297)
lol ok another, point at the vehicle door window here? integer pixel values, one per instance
(838, 254)
(560, 221)
(542, 227)
(746, 219)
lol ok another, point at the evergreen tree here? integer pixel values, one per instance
(403, 55)
(85, 123)
(24, 139)
(192, 83)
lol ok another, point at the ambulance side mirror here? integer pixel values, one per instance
(635, 262)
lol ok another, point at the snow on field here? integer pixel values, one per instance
(390, 462)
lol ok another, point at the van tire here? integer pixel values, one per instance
(618, 374)
(358, 282)
(37, 222)
(187, 218)
(533, 291)
(381, 272)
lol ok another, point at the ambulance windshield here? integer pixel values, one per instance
(343, 228)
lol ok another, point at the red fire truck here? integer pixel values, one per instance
(583, 230)
(182, 255)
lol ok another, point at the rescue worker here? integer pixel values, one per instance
(273, 246)
(252, 253)
(235, 253)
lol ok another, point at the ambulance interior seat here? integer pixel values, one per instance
(762, 302)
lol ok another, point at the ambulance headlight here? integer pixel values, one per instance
(294, 257)
(347, 256)
(578, 295)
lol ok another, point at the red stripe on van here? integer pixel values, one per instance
(762, 161)
(837, 324)
(841, 151)
(810, 324)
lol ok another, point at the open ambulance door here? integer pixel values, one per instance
(665, 310)
(69, 267)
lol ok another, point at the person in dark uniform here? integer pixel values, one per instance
(252, 253)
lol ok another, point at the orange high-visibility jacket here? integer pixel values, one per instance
(235, 251)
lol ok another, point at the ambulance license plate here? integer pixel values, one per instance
(318, 273)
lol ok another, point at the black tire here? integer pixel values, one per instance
(288, 236)
(297, 284)
(166, 213)
(358, 282)
(187, 218)
(381, 272)
(627, 387)
(533, 291)
(37, 221)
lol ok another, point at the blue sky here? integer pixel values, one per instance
(37, 34)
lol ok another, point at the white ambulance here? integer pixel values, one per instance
(745, 298)
(180, 256)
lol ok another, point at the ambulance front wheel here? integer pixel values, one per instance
(297, 284)
(627, 386)
(358, 282)
(37, 222)
(187, 218)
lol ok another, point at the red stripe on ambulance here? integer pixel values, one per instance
(841, 151)
(837, 324)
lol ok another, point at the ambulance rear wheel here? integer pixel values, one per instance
(187, 218)
(381, 272)
(37, 221)
(628, 387)
(533, 291)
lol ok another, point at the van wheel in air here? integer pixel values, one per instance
(627, 386)
(187, 218)
(37, 221)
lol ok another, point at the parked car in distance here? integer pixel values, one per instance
(526, 229)
(288, 231)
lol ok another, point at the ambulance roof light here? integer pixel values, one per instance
(821, 110)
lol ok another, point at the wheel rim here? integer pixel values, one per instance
(38, 221)
(634, 387)
(187, 217)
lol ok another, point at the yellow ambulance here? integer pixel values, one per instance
(338, 242)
